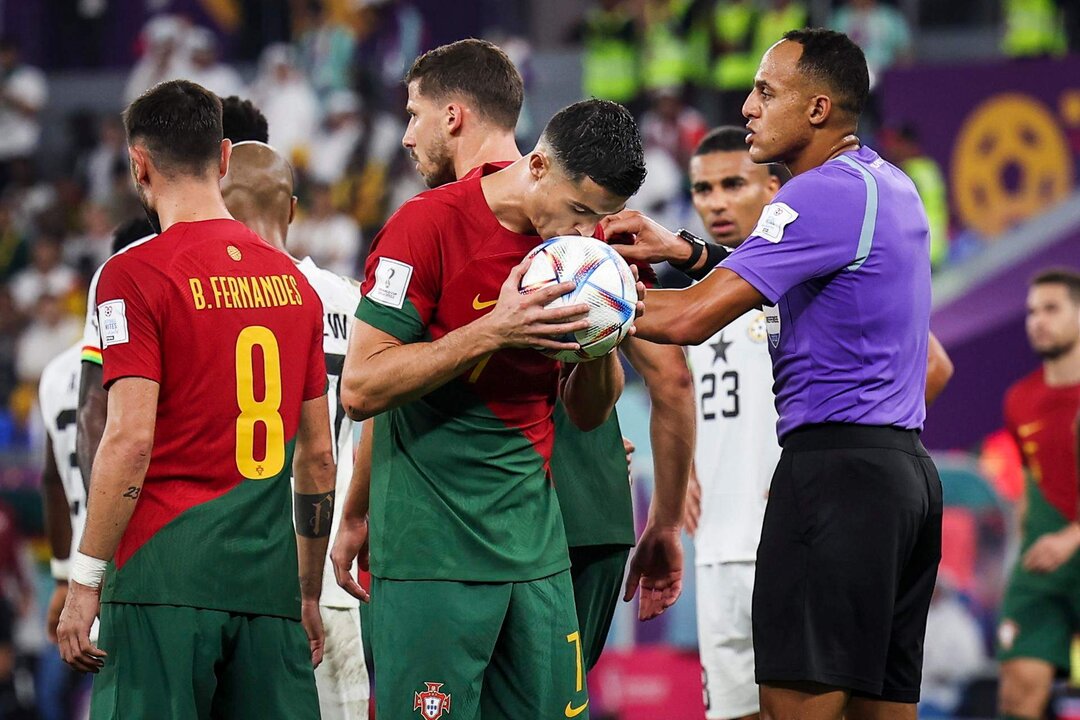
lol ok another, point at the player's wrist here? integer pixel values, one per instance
(87, 571)
(60, 569)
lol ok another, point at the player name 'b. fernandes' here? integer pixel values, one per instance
(241, 293)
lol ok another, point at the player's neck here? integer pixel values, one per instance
(504, 193)
(484, 147)
(1063, 371)
(190, 201)
(821, 150)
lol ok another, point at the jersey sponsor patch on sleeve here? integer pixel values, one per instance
(112, 323)
(774, 218)
(391, 283)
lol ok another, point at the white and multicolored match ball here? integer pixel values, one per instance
(604, 283)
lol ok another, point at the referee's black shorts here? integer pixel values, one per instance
(847, 562)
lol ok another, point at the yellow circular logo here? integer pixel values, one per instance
(234, 253)
(1011, 160)
(757, 331)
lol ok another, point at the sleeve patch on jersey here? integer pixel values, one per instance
(774, 218)
(112, 321)
(391, 283)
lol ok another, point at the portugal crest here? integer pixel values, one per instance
(431, 703)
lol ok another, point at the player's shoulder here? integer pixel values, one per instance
(445, 201)
(328, 285)
(57, 374)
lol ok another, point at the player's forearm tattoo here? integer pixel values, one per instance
(313, 514)
(132, 492)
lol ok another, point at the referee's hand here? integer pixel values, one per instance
(657, 569)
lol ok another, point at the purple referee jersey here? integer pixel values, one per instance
(844, 253)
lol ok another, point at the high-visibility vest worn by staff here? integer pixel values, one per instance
(774, 22)
(609, 64)
(1032, 27)
(734, 25)
(665, 46)
(930, 184)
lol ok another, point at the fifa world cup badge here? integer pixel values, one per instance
(431, 703)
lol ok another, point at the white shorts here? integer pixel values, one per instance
(725, 640)
(342, 678)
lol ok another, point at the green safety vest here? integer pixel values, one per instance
(609, 64)
(930, 184)
(734, 25)
(1032, 27)
(666, 51)
(774, 23)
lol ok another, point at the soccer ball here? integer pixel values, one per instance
(604, 283)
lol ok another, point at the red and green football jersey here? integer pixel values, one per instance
(460, 483)
(231, 331)
(1042, 421)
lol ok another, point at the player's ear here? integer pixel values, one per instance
(820, 109)
(140, 164)
(455, 116)
(539, 164)
(226, 154)
(292, 209)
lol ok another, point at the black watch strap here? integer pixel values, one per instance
(697, 247)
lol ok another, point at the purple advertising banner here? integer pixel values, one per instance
(1006, 134)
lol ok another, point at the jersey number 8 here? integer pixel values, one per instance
(252, 411)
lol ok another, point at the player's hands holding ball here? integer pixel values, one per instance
(573, 298)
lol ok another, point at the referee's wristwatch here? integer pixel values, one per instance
(697, 247)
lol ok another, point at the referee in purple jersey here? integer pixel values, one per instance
(841, 261)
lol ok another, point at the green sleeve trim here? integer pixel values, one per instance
(404, 324)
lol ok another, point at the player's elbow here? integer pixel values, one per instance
(670, 381)
(314, 468)
(590, 419)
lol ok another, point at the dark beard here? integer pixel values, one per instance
(1053, 353)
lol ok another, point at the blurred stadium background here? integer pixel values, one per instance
(978, 100)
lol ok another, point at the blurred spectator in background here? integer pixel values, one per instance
(96, 168)
(609, 64)
(954, 653)
(14, 252)
(46, 275)
(206, 69)
(287, 100)
(10, 326)
(735, 56)
(665, 50)
(1070, 11)
(333, 147)
(165, 55)
(1033, 28)
(327, 50)
(23, 92)
(391, 34)
(672, 126)
(777, 18)
(16, 600)
(51, 331)
(329, 237)
(901, 147)
(880, 30)
(92, 246)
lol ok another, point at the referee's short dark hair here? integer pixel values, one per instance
(732, 138)
(1061, 276)
(835, 59)
(477, 69)
(180, 124)
(241, 121)
(598, 139)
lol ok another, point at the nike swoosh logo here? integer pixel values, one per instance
(1029, 428)
(477, 305)
(572, 711)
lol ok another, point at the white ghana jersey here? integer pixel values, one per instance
(91, 342)
(737, 449)
(339, 296)
(58, 397)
